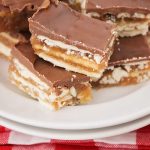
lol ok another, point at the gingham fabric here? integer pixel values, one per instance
(137, 140)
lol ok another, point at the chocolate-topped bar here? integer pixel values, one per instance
(130, 62)
(71, 40)
(14, 14)
(131, 16)
(9, 39)
(13, 20)
(51, 85)
(14, 5)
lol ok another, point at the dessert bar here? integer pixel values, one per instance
(14, 14)
(8, 40)
(52, 86)
(13, 21)
(131, 16)
(71, 40)
(130, 62)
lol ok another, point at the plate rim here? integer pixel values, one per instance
(98, 133)
(76, 125)
(97, 124)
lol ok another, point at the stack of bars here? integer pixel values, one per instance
(60, 50)
(14, 26)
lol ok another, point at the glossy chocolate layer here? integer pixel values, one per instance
(19, 5)
(53, 76)
(14, 14)
(4, 9)
(119, 6)
(129, 50)
(64, 24)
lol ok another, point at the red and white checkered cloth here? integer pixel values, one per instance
(137, 140)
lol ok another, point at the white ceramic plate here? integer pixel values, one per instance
(76, 134)
(109, 107)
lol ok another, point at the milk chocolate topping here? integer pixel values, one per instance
(4, 9)
(118, 6)
(15, 14)
(53, 76)
(64, 24)
(131, 50)
(19, 5)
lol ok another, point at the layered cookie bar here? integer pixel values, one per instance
(131, 16)
(71, 40)
(52, 86)
(13, 21)
(9, 40)
(14, 14)
(130, 62)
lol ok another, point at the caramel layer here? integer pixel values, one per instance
(83, 93)
(136, 75)
(72, 59)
